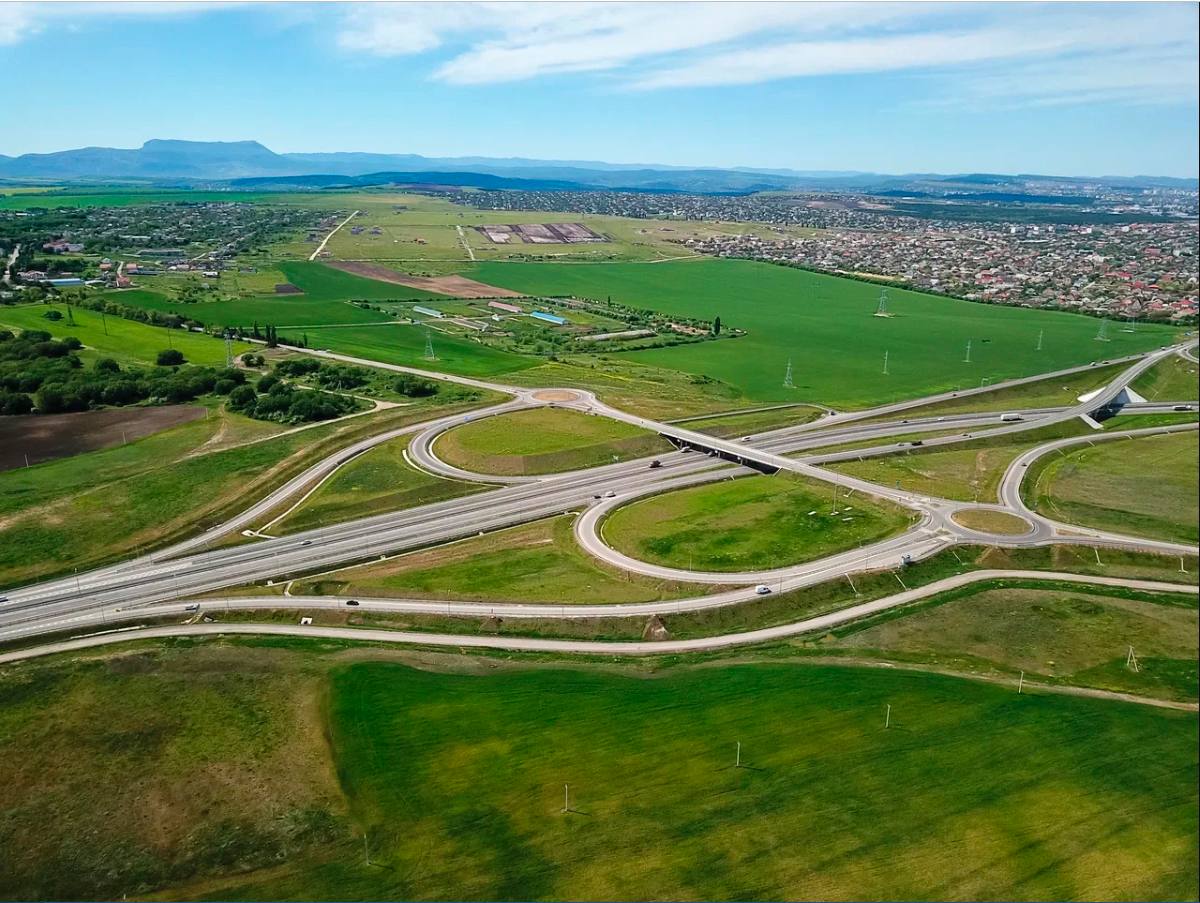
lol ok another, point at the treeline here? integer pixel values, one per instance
(39, 373)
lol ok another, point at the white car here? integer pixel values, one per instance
(762, 589)
(610, 494)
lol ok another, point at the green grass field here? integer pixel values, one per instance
(327, 293)
(1146, 487)
(749, 523)
(1073, 635)
(125, 197)
(89, 509)
(656, 392)
(536, 562)
(376, 481)
(737, 425)
(127, 341)
(253, 770)
(405, 345)
(824, 324)
(1174, 379)
(968, 471)
(544, 440)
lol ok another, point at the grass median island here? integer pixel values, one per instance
(536, 562)
(209, 771)
(1077, 635)
(966, 471)
(988, 521)
(1145, 486)
(377, 481)
(751, 523)
(544, 440)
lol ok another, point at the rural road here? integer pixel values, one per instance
(332, 232)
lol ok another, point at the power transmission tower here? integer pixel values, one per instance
(882, 310)
(885, 363)
(787, 376)
(228, 349)
(1102, 335)
(429, 355)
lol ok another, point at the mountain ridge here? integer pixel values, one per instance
(223, 161)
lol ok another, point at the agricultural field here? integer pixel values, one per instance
(1071, 634)
(536, 562)
(126, 341)
(1145, 486)
(420, 233)
(825, 326)
(544, 440)
(324, 300)
(448, 782)
(377, 481)
(34, 438)
(19, 199)
(750, 523)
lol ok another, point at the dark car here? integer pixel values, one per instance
(655, 463)
(352, 602)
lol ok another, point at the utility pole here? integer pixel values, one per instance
(885, 363)
(887, 720)
(967, 359)
(566, 798)
(1041, 335)
(1021, 683)
(737, 762)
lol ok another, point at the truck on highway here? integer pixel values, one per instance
(1010, 418)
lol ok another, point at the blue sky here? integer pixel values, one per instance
(1074, 89)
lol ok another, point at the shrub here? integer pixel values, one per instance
(172, 357)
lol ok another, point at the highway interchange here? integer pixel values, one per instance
(107, 601)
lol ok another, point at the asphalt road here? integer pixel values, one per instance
(531, 644)
(165, 575)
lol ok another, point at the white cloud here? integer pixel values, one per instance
(19, 21)
(1042, 53)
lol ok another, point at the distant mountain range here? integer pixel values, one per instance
(249, 164)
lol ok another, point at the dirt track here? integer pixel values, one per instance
(44, 438)
(454, 286)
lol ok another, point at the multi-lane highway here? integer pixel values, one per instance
(119, 591)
